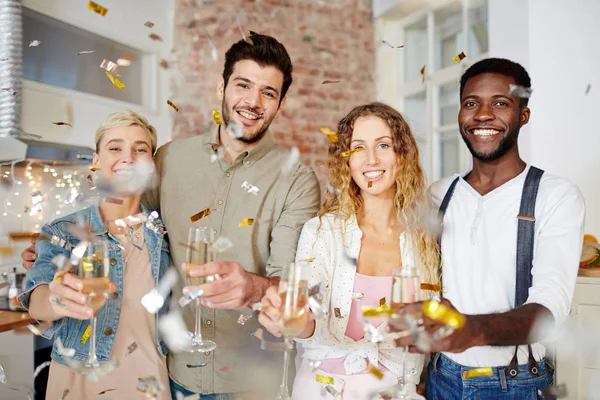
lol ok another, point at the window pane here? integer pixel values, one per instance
(449, 152)
(448, 35)
(478, 27)
(415, 113)
(448, 103)
(55, 61)
(415, 50)
(423, 153)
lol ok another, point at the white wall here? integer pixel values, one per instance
(123, 23)
(557, 41)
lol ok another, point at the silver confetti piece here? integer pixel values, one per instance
(105, 369)
(39, 328)
(314, 365)
(520, 91)
(34, 43)
(372, 334)
(85, 52)
(131, 348)
(154, 224)
(150, 386)
(333, 190)
(234, 130)
(188, 298)
(131, 220)
(314, 301)
(249, 188)
(554, 392)
(148, 24)
(64, 352)
(2, 375)
(40, 368)
(64, 394)
(173, 330)
(291, 161)
(357, 296)
(62, 262)
(243, 318)
(220, 245)
(256, 307)
(332, 391)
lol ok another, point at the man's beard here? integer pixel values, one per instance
(244, 139)
(504, 146)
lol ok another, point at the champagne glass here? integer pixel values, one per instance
(294, 314)
(406, 289)
(94, 272)
(197, 252)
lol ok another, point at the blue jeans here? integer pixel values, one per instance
(445, 382)
(175, 387)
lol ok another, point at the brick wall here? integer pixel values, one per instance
(326, 39)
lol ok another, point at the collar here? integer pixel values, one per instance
(248, 157)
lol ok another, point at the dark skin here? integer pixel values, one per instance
(486, 107)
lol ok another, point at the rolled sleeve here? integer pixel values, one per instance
(43, 271)
(302, 203)
(557, 251)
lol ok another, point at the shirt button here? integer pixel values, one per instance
(113, 261)
(247, 162)
(108, 332)
(220, 202)
(207, 353)
(115, 295)
(215, 231)
(228, 174)
(209, 322)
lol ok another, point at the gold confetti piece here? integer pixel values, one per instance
(6, 250)
(86, 334)
(246, 222)
(309, 260)
(169, 102)
(62, 123)
(331, 135)
(164, 64)
(485, 371)
(337, 312)
(350, 152)
(148, 24)
(328, 380)
(430, 286)
(382, 302)
(440, 312)
(375, 372)
(131, 348)
(97, 8)
(376, 311)
(87, 265)
(423, 74)
(328, 81)
(370, 184)
(115, 81)
(460, 57)
(155, 37)
(94, 169)
(113, 200)
(105, 391)
(392, 46)
(200, 215)
(217, 117)
(86, 52)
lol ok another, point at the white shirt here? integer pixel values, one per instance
(479, 244)
(332, 243)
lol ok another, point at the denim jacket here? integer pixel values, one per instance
(69, 330)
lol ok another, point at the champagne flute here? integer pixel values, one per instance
(406, 289)
(94, 272)
(294, 314)
(197, 252)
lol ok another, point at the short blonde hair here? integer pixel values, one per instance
(126, 118)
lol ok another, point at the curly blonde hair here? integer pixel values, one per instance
(410, 202)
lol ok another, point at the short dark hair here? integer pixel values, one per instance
(265, 51)
(500, 66)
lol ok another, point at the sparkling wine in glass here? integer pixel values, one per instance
(197, 252)
(294, 316)
(94, 272)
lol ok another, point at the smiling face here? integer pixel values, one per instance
(251, 98)
(378, 163)
(490, 118)
(119, 149)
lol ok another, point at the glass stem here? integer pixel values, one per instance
(197, 329)
(92, 359)
(404, 362)
(286, 363)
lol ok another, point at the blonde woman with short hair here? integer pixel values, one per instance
(137, 264)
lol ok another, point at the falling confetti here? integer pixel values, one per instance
(169, 102)
(200, 215)
(315, 297)
(220, 245)
(115, 81)
(520, 91)
(148, 24)
(249, 188)
(392, 46)
(164, 64)
(155, 224)
(10, 90)
(357, 296)
(63, 124)
(458, 58)
(375, 372)
(86, 52)
(34, 43)
(429, 286)
(106, 391)
(587, 89)
(234, 130)
(243, 318)
(40, 368)
(131, 348)
(370, 184)
(2, 375)
(314, 365)
(328, 380)
(423, 74)
(246, 39)
(337, 312)
(151, 386)
(188, 298)
(155, 37)
(109, 66)
(331, 135)
(217, 117)
(97, 8)
(214, 51)
(64, 394)
(325, 82)
(173, 330)
(333, 190)
(332, 391)
(351, 152)
(154, 300)
(246, 222)
(113, 200)
(291, 161)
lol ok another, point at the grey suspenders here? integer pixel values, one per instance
(525, 245)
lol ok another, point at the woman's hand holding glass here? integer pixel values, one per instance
(271, 313)
(67, 297)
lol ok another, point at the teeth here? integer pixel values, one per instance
(373, 174)
(485, 132)
(246, 115)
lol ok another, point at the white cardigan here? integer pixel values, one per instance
(334, 245)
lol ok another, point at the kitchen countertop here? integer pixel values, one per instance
(10, 320)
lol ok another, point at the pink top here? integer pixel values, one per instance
(373, 289)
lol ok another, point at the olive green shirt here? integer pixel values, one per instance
(191, 180)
